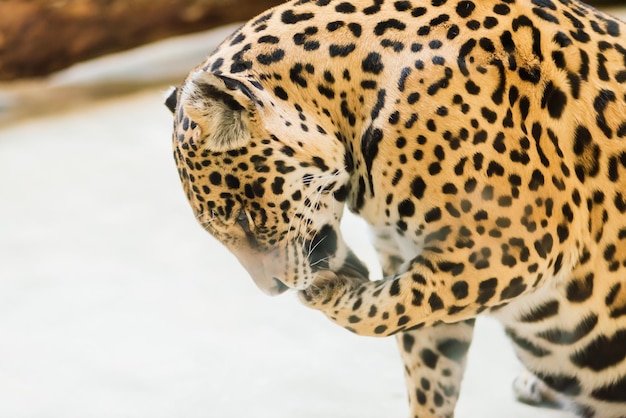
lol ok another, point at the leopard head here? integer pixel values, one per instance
(267, 186)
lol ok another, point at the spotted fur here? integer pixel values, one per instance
(483, 142)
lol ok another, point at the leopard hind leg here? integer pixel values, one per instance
(531, 390)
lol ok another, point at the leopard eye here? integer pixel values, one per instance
(244, 222)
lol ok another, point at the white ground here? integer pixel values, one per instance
(115, 304)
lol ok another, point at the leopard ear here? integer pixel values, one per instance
(171, 99)
(222, 109)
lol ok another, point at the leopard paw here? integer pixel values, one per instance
(326, 289)
(531, 390)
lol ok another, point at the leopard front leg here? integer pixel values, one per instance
(447, 282)
(434, 360)
(434, 357)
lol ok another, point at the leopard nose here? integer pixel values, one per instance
(279, 288)
(262, 268)
(271, 287)
(269, 284)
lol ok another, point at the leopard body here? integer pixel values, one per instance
(482, 141)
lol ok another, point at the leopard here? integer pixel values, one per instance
(483, 142)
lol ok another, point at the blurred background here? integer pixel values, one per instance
(113, 301)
